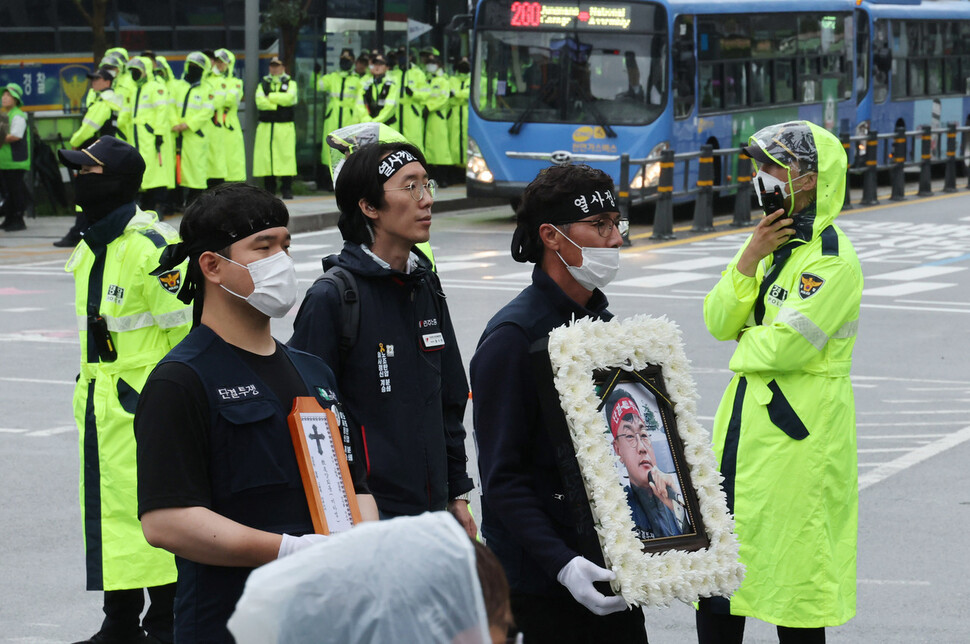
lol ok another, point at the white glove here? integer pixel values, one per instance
(578, 577)
(291, 544)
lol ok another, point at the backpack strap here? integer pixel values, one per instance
(346, 285)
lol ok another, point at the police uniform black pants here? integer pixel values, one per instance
(562, 620)
(16, 195)
(122, 609)
(719, 627)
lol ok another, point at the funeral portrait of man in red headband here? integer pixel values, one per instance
(655, 496)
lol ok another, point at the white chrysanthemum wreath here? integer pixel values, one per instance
(575, 352)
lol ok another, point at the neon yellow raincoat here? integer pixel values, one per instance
(193, 107)
(145, 320)
(274, 151)
(785, 433)
(235, 145)
(148, 119)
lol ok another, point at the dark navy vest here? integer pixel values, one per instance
(252, 469)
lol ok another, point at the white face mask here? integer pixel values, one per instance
(599, 267)
(432, 68)
(771, 182)
(274, 279)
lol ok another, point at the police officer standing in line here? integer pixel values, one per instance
(785, 433)
(458, 120)
(274, 151)
(148, 120)
(234, 144)
(569, 226)
(413, 93)
(411, 400)
(15, 155)
(377, 102)
(438, 106)
(193, 113)
(340, 88)
(100, 117)
(218, 480)
(213, 130)
(128, 321)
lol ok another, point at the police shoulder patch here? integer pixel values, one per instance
(809, 284)
(171, 281)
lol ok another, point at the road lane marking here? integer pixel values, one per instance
(919, 273)
(893, 582)
(663, 279)
(39, 381)
(10, 430)
(906, 288)
(924, 412)
(914, 457)
(63, 429)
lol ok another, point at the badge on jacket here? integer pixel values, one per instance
(171, 281)
(808, 285)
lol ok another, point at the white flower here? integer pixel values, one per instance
(586, 345)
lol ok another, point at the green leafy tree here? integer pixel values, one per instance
(96, 20)
(286, 16)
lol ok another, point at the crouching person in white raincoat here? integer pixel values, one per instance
(409, 579)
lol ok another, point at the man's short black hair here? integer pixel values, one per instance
(218, 218)
(359, 179)
(542, 200)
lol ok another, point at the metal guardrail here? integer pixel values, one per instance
(895, 161)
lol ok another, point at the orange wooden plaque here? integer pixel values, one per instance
(323, 467)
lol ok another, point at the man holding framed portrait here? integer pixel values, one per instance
(569, 226)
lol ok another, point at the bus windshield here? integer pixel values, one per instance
(604, 77)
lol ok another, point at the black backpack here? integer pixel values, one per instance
(346, 285)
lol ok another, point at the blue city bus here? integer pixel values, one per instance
(558, 81)
(919, 54)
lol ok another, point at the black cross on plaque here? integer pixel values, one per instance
(317, 436)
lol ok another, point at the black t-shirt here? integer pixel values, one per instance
(172, 427)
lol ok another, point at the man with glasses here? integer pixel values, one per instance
(569, 226)
(395, 355)
(654, 496)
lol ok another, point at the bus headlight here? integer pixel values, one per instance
(862, 129)
(649, 175)
(476, 168)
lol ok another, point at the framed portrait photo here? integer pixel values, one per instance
(641, 478)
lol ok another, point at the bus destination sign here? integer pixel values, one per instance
(570, 16)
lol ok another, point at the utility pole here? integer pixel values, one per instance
(251, 81)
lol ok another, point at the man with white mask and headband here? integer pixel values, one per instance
(219, 485)
(785, 433)
(395, 355)
(569, 226)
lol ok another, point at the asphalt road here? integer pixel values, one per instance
(911, 380)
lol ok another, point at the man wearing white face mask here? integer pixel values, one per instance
(219, 485)
(569, 226)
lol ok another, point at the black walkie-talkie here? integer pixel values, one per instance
(771, 202)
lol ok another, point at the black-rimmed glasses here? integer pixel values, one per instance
(605, 226)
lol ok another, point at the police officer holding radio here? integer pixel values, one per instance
(128, 321)
(790, 299)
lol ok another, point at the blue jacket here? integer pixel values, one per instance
(525, 517)
(403, 380)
